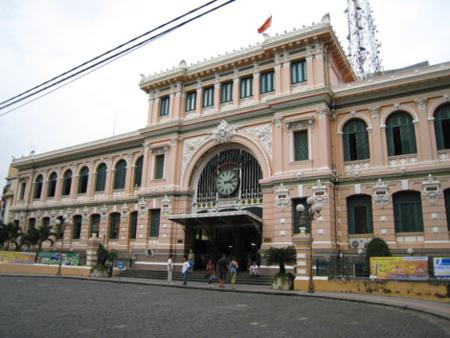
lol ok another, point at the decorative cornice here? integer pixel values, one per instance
(183, 69)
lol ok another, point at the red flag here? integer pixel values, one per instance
(265, 25)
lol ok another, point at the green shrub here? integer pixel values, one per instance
(377, 247)
(281, 256)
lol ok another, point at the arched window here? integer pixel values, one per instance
(400, 134)
(408, 211)
(77, 221)
(52, 184)
(38, 187)
(442, 127)
(67, 182)
(101, 178)
(95, 225)
(447, 206)
(83, 181)
(114, 225)
(31, 223)
(60, 227)
(356, 140)
(121, 172)
(138, 172)
(133, 224)
(46, 221)
(359, 214)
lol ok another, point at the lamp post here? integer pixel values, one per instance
(314, 209)
(63, 224)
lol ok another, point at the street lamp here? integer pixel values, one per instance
(314, 209)
(63, 224)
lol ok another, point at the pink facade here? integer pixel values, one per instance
(285, 103)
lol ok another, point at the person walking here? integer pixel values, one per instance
(170, 270)
(222, 268)
(210, 268)
(185, 270)
(234, 266)
(191, 257)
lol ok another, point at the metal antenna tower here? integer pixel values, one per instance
(363, 46)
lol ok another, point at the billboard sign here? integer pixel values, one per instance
(400, 268)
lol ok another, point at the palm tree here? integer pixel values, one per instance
(30, 238)
(44, 234)
(10, 233)
(281, 256)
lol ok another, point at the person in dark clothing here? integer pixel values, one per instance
(222, 268)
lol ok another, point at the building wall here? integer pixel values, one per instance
(264, 124)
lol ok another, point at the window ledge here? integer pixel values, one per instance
(301, 161)
(363, 161)
(396, 157)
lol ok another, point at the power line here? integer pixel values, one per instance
(112, 57)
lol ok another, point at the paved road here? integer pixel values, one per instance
(51, 307)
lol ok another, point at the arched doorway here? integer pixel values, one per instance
(227, 207)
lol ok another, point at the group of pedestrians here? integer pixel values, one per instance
(223, 267)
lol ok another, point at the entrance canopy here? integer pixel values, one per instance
(225, 219)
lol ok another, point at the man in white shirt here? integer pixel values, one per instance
(169, 270)
(185, 270)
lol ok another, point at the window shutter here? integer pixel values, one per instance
(390, 141)
(359, 214)
(346, 139)
(301, 145)
(159, 170)
(447, 206)
(101, 178)
(362, 145)
(351, 218)
(154, 227)
(408, 212)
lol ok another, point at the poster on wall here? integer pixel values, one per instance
(70, 258)
(400, 268)
(441, 267)
(15, 257)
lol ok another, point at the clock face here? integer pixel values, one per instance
(227, 182)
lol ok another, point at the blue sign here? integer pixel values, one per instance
(441, 267)
(121, 264)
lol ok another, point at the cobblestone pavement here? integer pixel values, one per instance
(52, 307)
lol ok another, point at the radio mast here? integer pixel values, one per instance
(363, 46)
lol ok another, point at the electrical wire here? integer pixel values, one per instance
(114, 56)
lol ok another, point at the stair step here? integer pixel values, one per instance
(196, 276)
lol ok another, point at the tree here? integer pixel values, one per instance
(10, 233)
(281, 256)
(377, 247)
(35, 237)
(105, 259)
(30, 238)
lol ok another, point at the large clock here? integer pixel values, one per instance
(227, 182)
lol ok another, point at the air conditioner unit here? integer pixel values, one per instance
(358, 243)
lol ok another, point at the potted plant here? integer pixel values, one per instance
(105, 262)
(280, 257)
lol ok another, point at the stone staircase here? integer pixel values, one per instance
(196, 276)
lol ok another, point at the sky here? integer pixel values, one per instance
(43, 38)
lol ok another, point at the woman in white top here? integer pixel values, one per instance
(169, 270)
(185, 270)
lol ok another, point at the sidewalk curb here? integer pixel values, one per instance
(379, 302)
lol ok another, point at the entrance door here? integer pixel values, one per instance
(243, 243)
